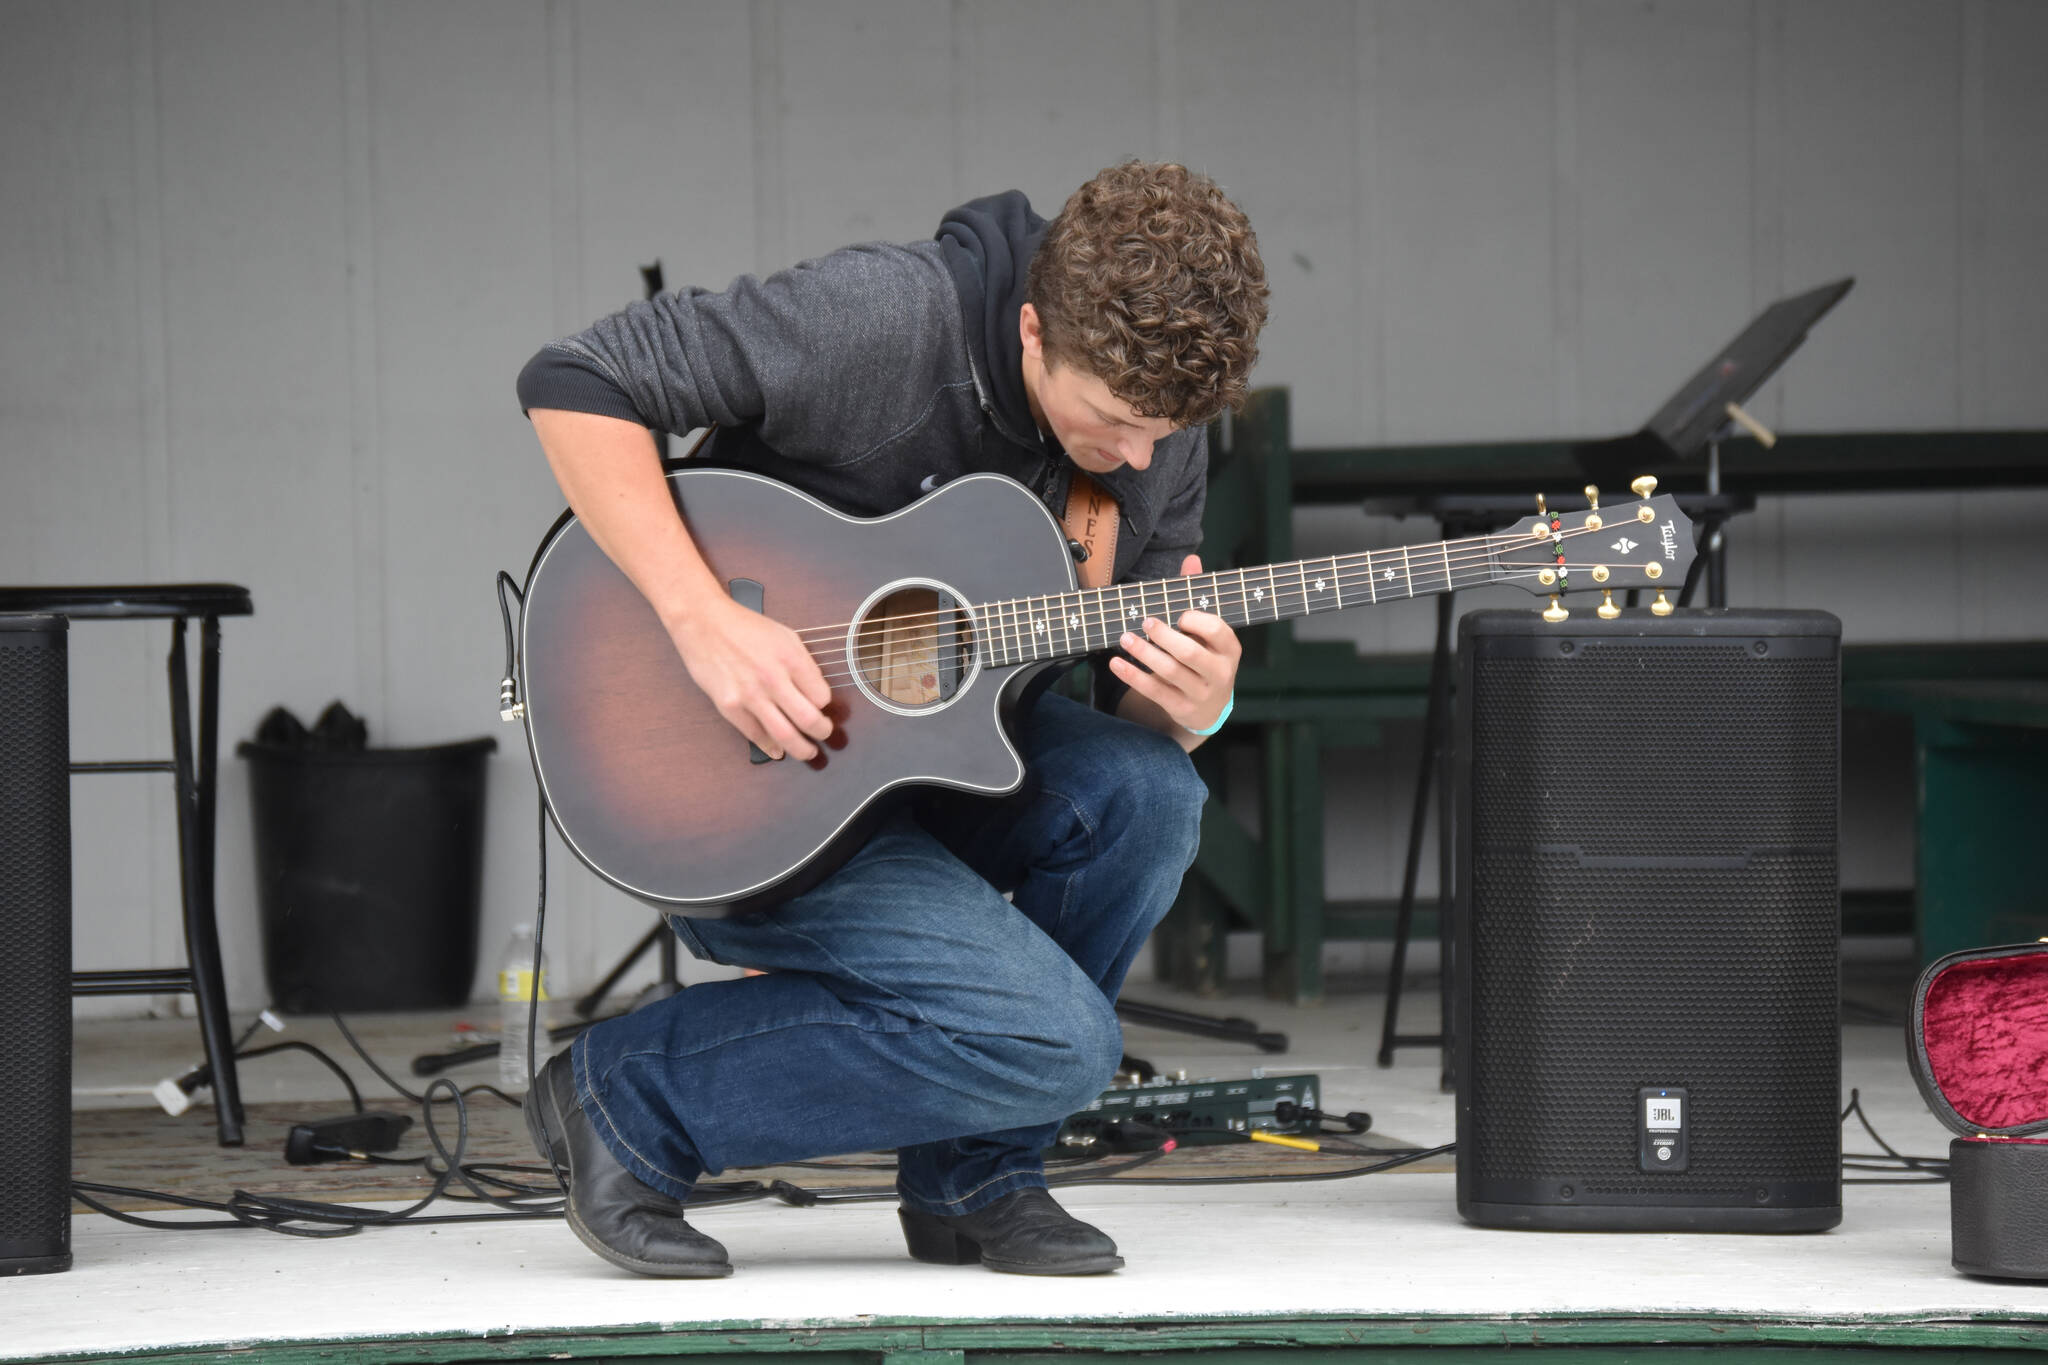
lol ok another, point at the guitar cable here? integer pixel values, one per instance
(509, 708)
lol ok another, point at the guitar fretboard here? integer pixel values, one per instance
(1069, 625)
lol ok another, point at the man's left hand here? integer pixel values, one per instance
(1193, 664)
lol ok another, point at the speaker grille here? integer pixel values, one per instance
(1743, 753)
(1652, 900)
(1600, 983)
(35, 968)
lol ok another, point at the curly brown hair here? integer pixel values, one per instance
(1150, 280)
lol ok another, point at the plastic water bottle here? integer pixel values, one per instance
(517, 987)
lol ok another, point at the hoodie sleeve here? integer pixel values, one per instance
(833, 345)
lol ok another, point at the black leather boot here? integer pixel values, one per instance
(617, 1216)
(1024, 1233)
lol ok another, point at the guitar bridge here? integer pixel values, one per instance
(753, 597)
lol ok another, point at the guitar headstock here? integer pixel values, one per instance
(1644, 543)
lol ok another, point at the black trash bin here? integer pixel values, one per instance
(369, 871)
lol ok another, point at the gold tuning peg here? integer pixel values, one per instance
(1593, 496)
(1607, 611)
(1660, 607)
(1644, 486)
(1554, 613)
(1541, 510)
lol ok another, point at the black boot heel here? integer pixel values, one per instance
(1023, 1233)
(929, 1239)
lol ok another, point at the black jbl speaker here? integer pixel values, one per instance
(1645, 964)
(35, 963)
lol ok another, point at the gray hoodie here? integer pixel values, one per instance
(868, 378)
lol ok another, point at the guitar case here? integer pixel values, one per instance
(1978, 1048)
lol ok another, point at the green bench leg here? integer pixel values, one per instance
(1274, 883)
(1293, 959)
(1190, 948)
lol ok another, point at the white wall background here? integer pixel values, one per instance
(268, 268)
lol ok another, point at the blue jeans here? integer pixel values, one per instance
(907, 1004)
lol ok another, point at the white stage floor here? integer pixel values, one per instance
(1379, 1260)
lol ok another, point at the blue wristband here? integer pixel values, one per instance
(1228, 702)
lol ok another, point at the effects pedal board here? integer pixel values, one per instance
(1192, 1112)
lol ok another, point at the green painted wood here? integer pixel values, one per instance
(1710, 1339)
(1277, 813)
(2000, 703)
(1231, 861)
(1981, 794)
(925, 1356)
(1227, 512)
(1191, 948)
(1332, 666)
(1944, 659)
(1355, 718)
(1799, 463)
(1261, 449)
(1304, 983)
(1982, 797)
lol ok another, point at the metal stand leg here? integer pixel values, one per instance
(1717, 544)
(1233, 1029)
(658, 936)
(1434, 724)
(196, 776)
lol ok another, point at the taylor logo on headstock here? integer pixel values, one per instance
(1554, 553)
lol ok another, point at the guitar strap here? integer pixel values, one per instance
(1091, 523)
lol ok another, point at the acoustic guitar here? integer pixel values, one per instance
(927, 623)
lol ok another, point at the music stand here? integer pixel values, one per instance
(1707, 408)
(1704, 410)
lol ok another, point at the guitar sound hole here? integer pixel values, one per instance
(913, 649)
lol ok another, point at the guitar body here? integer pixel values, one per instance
(657, 793)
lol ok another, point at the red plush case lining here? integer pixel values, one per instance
(1984, 1038)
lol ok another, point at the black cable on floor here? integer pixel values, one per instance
(1921, 1170)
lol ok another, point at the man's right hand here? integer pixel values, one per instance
(755, 670)
(759, 675)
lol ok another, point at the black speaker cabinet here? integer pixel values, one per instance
(35, 961)
(1645, 954)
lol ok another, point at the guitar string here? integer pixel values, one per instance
(881, 680)
(1015, 638)
(1015, 632)
(1433, 552)
(1004, 635)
